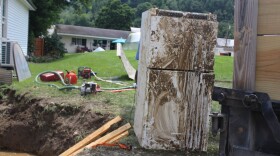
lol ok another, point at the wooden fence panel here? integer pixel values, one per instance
(39, 47)
(268, 66)
(269, 17)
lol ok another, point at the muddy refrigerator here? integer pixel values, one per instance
(175, 80)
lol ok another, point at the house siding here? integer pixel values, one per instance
(67, 40)
(1, 3)
(67, 44)
(17, 23)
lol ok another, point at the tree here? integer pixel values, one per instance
(47, 13)
(70, 17)
(139, 10)
(115, 15)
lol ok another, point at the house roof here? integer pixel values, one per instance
(29, 4)
(79, 31)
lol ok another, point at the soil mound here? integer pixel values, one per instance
(42, 127)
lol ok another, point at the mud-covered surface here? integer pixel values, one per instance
(42, 127)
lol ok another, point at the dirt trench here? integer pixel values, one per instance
(42, 127)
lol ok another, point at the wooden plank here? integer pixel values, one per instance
(118, 138)
(127, 66)
(269, 17)
(268, 65)
(105, 138)
(245, 39)
(6, 76)
(91, 137)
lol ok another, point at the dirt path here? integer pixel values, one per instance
(42, 127)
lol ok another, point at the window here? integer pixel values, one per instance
(84, 42)
(79, 41)
(4, 19)
(97, 43)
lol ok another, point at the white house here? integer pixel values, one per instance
(224, 47)
(76, 37)
(15, 16)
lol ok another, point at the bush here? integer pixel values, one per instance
(43, 59)
(31, 46)
(54, 47)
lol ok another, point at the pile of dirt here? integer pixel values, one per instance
(42, 127)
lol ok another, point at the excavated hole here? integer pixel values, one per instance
(41, 127)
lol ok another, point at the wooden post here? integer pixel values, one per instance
(244, 76)
(257, 50)
(245, 44)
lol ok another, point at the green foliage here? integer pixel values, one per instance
(53, 46)
(225, 30)
(71, 17)
(222, 8)
(31, 45)
(46, 14)
(53, 49)
(115, 15)
(139, 10)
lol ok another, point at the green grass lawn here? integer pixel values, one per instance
(106, 64)
(223, 68)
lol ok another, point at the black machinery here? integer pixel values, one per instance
(88, 88)
(248, 123)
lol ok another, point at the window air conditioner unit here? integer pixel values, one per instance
(7, 55)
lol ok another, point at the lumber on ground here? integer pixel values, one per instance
(119, 137)
(105, 138)
(91, 137)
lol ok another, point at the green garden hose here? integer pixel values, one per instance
(66, 86)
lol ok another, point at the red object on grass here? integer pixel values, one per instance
(71, 77)
(122, 146)
(47, 77)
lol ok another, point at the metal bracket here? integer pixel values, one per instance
(218, 123)
(255, 101)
